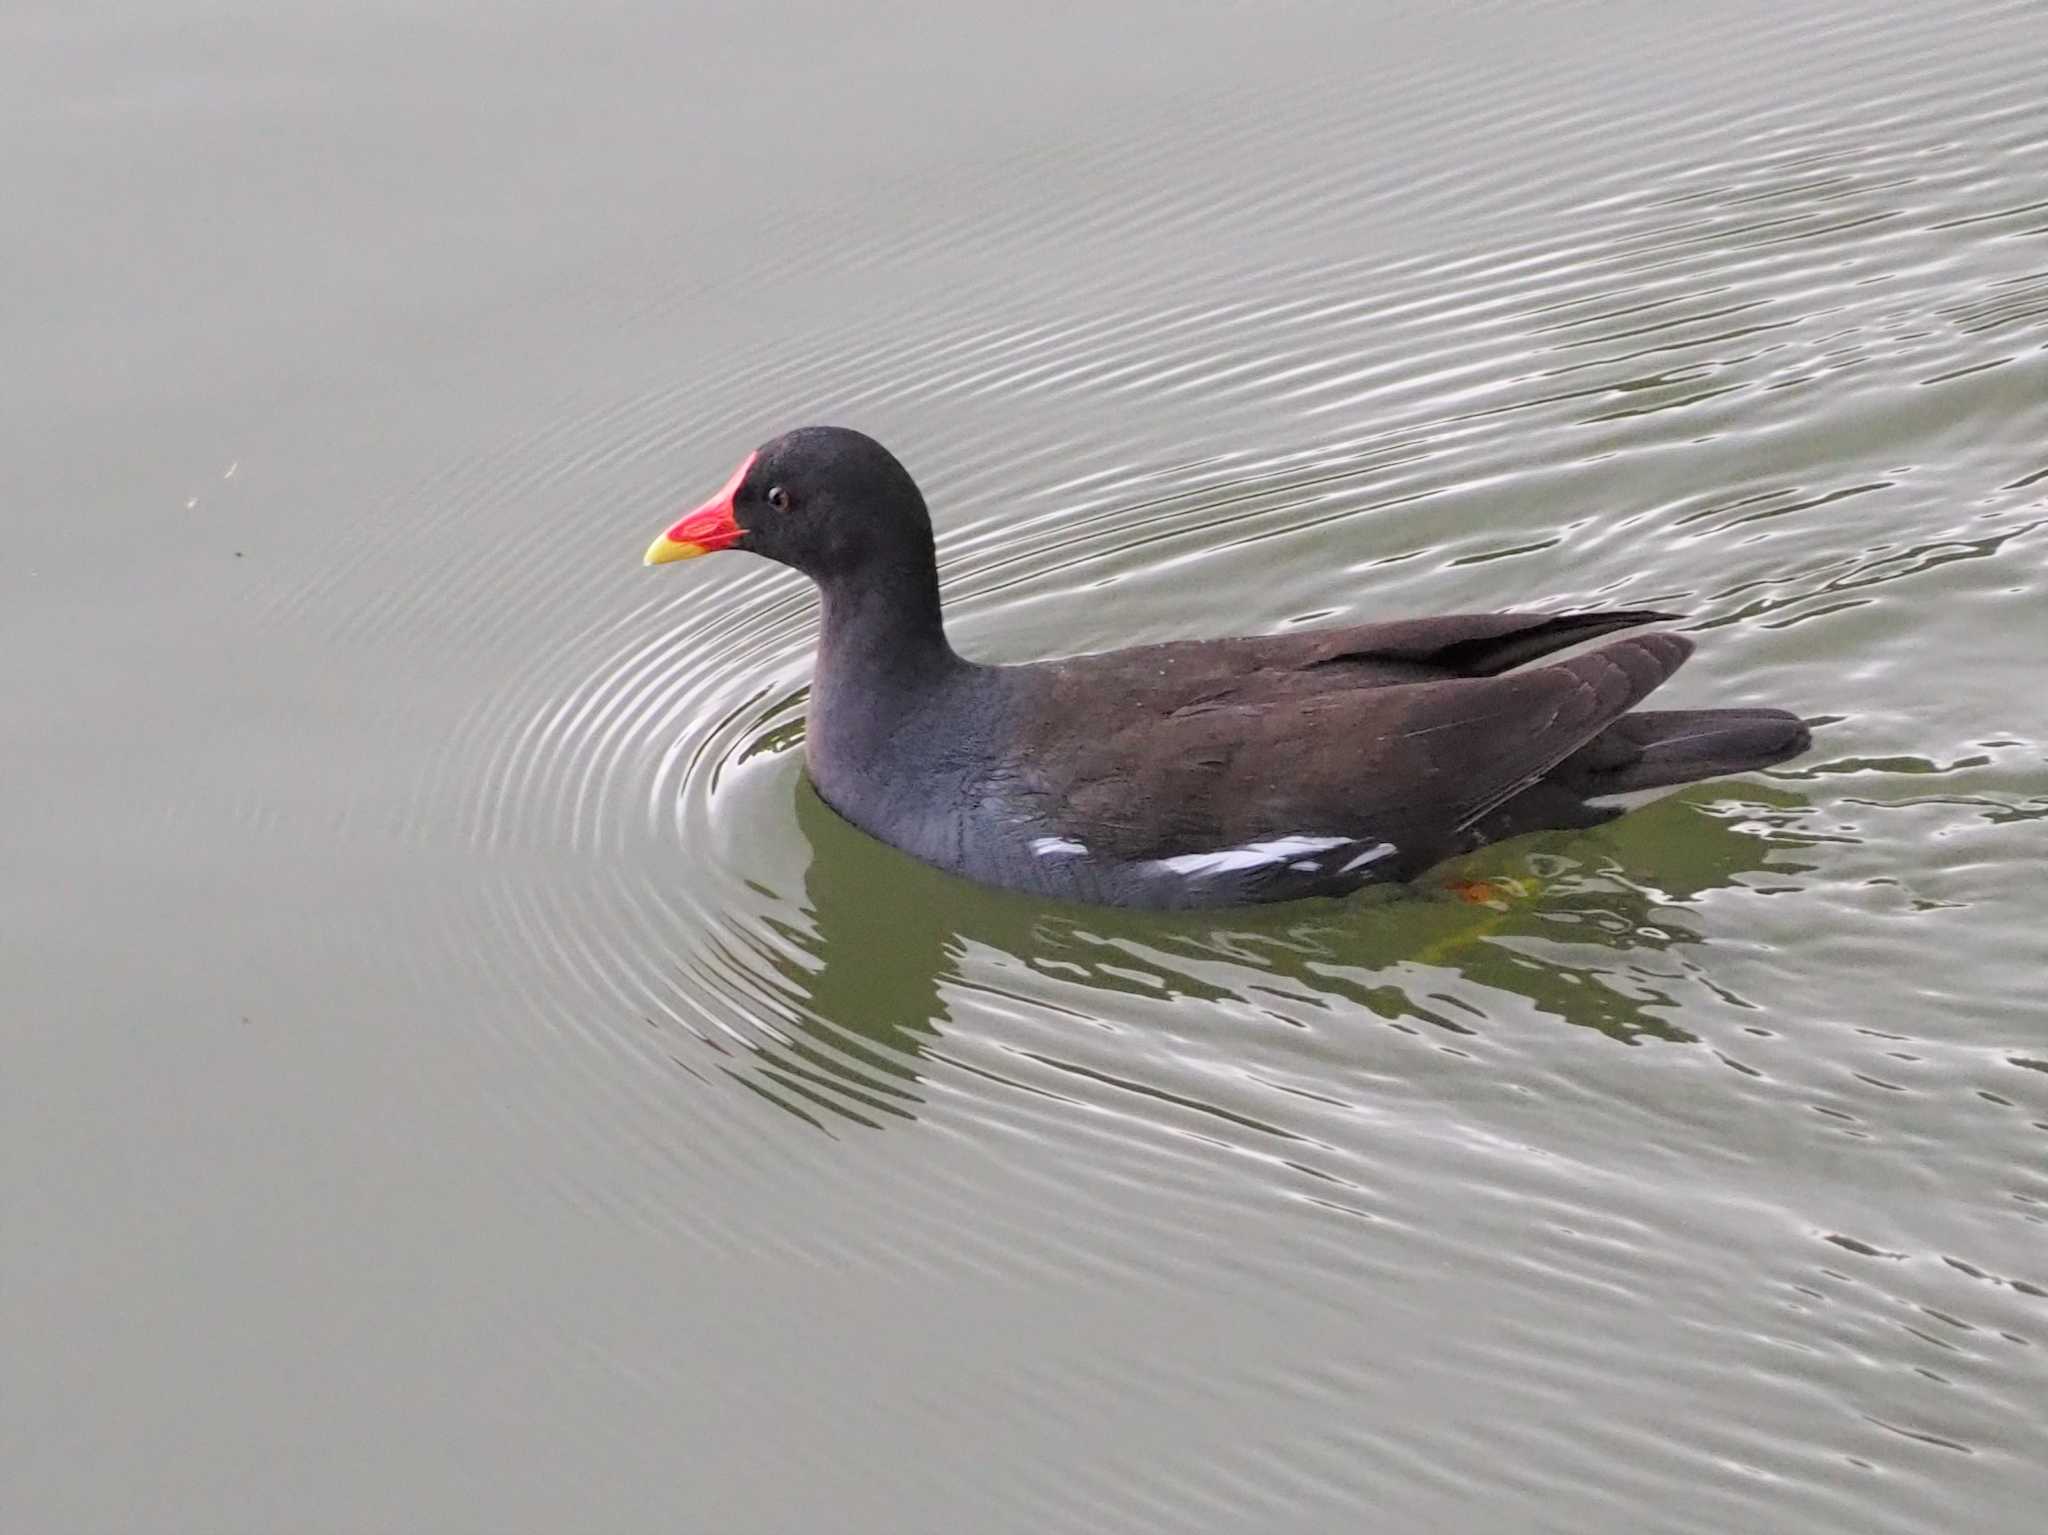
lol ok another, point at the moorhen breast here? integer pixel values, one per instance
(1213, 772)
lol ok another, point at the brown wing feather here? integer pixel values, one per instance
(1411, 763)
(1358, 655)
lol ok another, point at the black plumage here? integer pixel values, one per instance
(1202, 772)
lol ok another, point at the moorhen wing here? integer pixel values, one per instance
(1215, 772)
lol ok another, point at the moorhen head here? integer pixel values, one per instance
(825, 500)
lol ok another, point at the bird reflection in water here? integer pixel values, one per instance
(883, 948)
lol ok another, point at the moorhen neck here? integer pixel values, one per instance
(1201, 772)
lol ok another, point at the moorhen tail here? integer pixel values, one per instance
(1198, 773)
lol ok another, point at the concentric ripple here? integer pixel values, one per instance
(1743, 384)
(664, 728)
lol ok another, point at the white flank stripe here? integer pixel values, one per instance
(1058, 847)
(1252, 855)
(1370, 855)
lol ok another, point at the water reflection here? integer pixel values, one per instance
(885, 947)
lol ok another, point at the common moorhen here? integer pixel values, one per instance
(1212, 772)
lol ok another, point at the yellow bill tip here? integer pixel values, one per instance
(665, 549)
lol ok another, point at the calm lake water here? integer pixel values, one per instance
(459, 1078)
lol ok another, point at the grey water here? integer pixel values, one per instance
(457, 1075)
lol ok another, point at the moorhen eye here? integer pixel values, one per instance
(778, 498)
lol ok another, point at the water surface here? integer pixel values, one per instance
(461, 1078)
